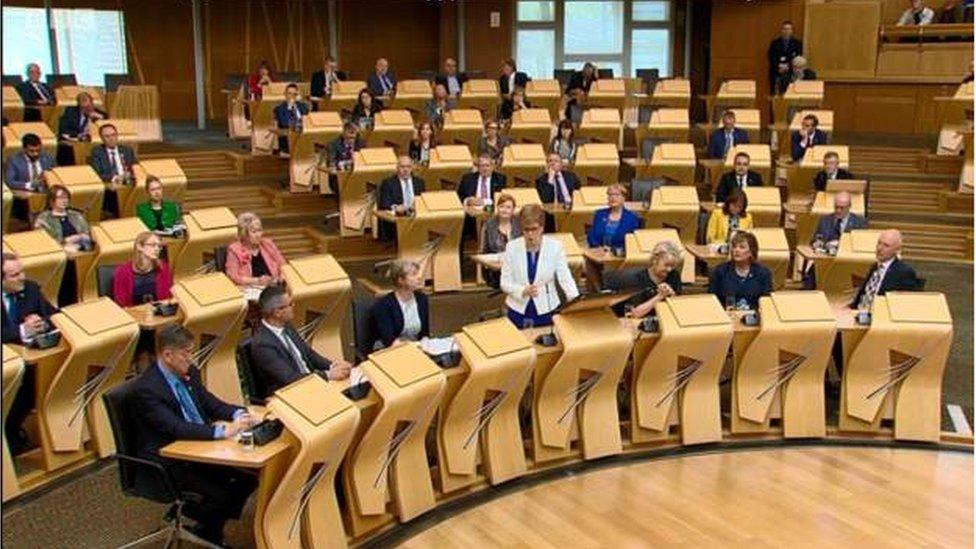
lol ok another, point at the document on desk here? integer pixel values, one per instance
(357, 376)
(436, 346)
(252, 293)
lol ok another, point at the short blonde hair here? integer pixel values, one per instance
(401, 268)
(532, 213)
(245, 222)
(617, 187)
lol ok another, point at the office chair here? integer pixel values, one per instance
(11, 79)
(220, 258)
(105, 276)
(245, 369)
(362, 332)
(145, 478)
(113, 81)
(59, 80)
(605, 74)
(563, 75)
(290, 76)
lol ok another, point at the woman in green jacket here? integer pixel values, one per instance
(158, 214)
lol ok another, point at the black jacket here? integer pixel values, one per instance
(29, 302)
(576, 82)
(462, 77)
(386, 318)
(274, 366)
(468, 186)
(727, 183)
(390, 193)
(521, 79)
(155, 408)
(30, 96)
(782, 53)
(547, 191)
(900, 277)
(104, 167)
(69, 124)
(318, 82)
(820, 180)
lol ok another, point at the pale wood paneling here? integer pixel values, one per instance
(899, 108)
(842, 38)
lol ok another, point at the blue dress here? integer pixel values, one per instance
(519, 319)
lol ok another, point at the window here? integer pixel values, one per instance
(537, 51)
(88, 43)
(621, 35)
(593, 27)
(536, 11)
(25, 40)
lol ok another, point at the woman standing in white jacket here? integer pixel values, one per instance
(531, 265)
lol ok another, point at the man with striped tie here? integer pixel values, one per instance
(382, 82)
(888, 274)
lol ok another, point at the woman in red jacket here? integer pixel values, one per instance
(145, 278)
(253, 260)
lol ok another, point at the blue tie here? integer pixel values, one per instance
(190, 411)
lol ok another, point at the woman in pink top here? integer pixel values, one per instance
(253, 260)
(145, 278)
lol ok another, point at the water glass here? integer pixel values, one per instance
(729, 302)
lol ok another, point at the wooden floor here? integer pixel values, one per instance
(818, 496)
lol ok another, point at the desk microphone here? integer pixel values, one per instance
(547, 340)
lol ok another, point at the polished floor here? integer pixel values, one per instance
(787, 497)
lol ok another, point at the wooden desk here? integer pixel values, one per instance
(148, 320)
(271, 461)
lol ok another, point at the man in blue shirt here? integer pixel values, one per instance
(170, 403)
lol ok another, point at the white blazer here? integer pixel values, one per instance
(550, 267)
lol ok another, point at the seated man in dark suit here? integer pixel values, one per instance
(397, 193)
(113, 163)
(888, 274)
(26, 169)
(556, 186)
(477, 190)
(741, 177)
(382, 81)
(338, 153)
(26, 313)
(829, 229)
(511, 78)
(322, 81)
(807, 136)
(451, 79)
(170, 403)
(35, 93)
(279, 355)
(73, 126)
(723, 139)
(288, 116)
(832, 171)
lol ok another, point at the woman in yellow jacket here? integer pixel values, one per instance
(730, 218)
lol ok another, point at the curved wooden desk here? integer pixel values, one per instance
(358, 188)
(678, 378)
(388, 461)
(322, 291)
(213, 309)
(480, 410)
(101, 336)
(44, 260)
(781, 373)
(322, 421)
(206, 228)
(896, 369)
(13, 374)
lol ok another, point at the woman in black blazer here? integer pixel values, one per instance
(741, 281)
(403, 314)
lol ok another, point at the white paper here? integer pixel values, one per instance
(435, 346)
(252, 293)
(357, 376)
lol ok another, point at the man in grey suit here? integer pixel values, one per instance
(25, 170)
(831, 227)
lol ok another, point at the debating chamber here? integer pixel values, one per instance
(315, 274)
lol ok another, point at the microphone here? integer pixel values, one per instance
(548, 340)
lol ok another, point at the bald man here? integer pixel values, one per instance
(398, 193)
(382, 81)
(888, 274)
